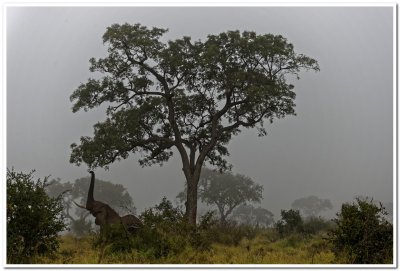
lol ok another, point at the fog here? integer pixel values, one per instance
(338, 146)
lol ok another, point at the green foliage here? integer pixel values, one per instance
(231, 233)
(258, 250)
(33, 218)
(113, 239)
(314, 225)
(362, 235)
(312, 205)
(291, 222)
(166, 232)
(192, 96)
(389, 209)
(162, 95)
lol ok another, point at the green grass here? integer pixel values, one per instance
(264, 248)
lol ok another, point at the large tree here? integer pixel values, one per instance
(189, 95)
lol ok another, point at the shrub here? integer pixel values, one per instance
(202, 237)
(166, 232)
(362, 235)
(231, 233)
(33, 218)
(113, 238)
(313, 225)
(291, 222)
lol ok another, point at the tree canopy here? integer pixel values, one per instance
(250, 215)
(189, 95)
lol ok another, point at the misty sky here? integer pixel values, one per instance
(338, 146)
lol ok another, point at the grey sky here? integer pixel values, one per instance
(339, 145)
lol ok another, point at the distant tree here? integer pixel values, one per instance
(362, 235)
(248, 214)
(78, 223)
(312, 205)
(263, 217)
(192, 96)
(226, 191)
(57, 187)
(33, 218)
(114, 195)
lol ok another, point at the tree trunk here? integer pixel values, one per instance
(191, 201)
(222, 214)
(192, 171)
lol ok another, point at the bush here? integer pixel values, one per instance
(166, 232)
(313, 225)
(113, 239)
(362, 235)
(33, 218)
(231, 233)
(291, 222)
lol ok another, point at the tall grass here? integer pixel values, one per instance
(167, 238)
(263, 248)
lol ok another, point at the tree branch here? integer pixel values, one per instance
(171, 112)
(141, 63)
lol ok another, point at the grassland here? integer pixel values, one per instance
(264, 248)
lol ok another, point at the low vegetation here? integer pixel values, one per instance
(263, 248)
(167, 239)
(33, 218)
(360, 234)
